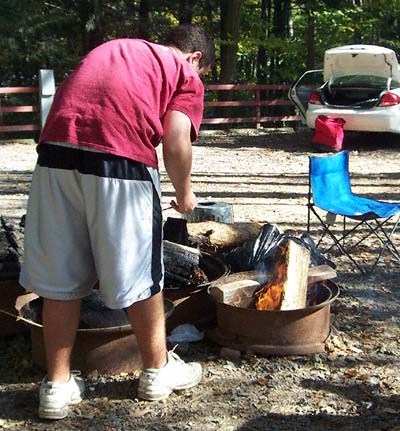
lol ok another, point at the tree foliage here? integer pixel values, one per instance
(266, 41)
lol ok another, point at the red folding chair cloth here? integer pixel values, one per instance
(329, 132)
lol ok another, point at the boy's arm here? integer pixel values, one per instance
(177, 153)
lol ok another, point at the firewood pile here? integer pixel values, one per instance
(11, 248)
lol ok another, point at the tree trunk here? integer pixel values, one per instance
(230, 31)
(310, 36)
(280, 29)
(262, 51)
(209, 9)
(185, 11)
(144, 12)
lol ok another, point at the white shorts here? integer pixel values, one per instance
(92, 217)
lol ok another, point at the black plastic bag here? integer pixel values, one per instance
(252, 253)
(259, 253)
(317, 257)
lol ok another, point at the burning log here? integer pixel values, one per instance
(287, 287)
(241, 290)
(182, 265)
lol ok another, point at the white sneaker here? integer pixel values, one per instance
(56, 397)
(158, 383)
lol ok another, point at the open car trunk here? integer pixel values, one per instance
(356, 75)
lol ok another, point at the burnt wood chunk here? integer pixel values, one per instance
(182, 265)
(11, 249)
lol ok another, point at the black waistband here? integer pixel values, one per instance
(91, 163)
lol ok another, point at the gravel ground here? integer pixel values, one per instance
(353, 385)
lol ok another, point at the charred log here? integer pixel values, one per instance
(182, 265)
(11, 249)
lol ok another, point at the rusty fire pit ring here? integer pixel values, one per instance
(273, 333)
(108, 351)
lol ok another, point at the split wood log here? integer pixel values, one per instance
(222, 236)
(287, 287)
(234, 291)
(295, 288)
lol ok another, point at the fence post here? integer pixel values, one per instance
(1, 120)
(47, 89)
(258, 109)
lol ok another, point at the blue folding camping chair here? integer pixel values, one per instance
(330, 191)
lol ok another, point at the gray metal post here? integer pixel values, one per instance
(47, 89)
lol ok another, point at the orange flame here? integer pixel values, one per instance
(269, 297)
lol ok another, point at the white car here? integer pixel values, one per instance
(359, 83)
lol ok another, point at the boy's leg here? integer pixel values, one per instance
(162, 372)
(60, 388)
(148, 323)
(60, 320)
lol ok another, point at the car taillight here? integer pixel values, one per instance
(314, 98)
(389, 99)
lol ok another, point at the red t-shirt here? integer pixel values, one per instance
(116, 99)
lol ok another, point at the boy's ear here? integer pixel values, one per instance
(194, 57)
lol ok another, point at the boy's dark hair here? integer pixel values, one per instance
(190, 38)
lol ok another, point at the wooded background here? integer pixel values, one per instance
(258, 41)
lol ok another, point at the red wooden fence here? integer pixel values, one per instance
(18, 109)
(256, 101)
(253, 99)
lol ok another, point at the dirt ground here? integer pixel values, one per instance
(353, 385)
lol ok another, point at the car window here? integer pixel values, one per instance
(395, 84)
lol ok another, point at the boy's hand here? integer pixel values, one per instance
(185, 204)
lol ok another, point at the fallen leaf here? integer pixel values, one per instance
(262, 381)
(351, 373)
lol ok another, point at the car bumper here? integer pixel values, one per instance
(371, 120)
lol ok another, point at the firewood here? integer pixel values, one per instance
(222, 236)
(11, 250)
(287, 287)
(182, 265)
(236, 291)
(295, 288)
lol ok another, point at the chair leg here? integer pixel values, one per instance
(337, 242)
(385, 244)
(378, 230)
